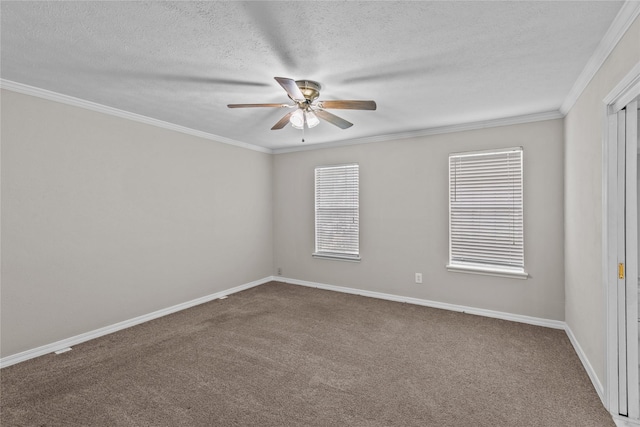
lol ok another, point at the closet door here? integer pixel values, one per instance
(622, 248)
(633, 334)
(629, 383)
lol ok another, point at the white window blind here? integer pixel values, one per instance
(485, 211)
(337, 211)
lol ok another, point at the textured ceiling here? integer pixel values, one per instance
(426, 64)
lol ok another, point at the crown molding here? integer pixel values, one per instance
(621, 23)
(629, 11)
(81, 103)
(506, 121)
(625, 91)
(93, 106)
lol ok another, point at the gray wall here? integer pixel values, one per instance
(105, 219)
(585, 293)
(404, 219)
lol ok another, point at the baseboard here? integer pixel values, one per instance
(555, 324)
(625, 422)
(587, 366)
(75, 340)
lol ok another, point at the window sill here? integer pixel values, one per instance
(337, 257)
(523, 275)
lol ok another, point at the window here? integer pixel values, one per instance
(337, 215)
(486, 213)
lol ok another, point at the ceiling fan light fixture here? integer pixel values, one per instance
(297, 119)
(312, 119)
(306, 110)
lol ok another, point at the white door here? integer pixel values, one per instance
(633, 333)
(628, 369)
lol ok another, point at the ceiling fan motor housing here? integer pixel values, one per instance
(310, 89)
(305, 94)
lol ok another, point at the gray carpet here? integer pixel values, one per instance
(284, 355)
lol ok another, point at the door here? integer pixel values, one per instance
(628, 259)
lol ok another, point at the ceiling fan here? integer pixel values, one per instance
(307, 109)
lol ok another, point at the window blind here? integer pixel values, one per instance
(337, 211)
(485, 210)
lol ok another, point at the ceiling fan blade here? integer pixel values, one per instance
(256, 105)
(348, 105)
(283, 121)
(291, 87)
(333, 119)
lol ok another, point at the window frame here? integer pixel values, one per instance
(336, 255)
(518, 272)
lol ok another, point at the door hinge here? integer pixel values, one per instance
(621, 270)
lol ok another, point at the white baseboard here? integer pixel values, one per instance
(625, 422)
(70, 342)
(555, 324)
(587, 366)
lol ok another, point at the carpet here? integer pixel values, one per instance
(286, 355)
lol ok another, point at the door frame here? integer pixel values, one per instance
(624, 92)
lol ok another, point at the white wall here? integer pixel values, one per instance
(585, 293)
(105, 219)
(404, 219)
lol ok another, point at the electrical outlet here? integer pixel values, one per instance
(418, 277)
(279, 271)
